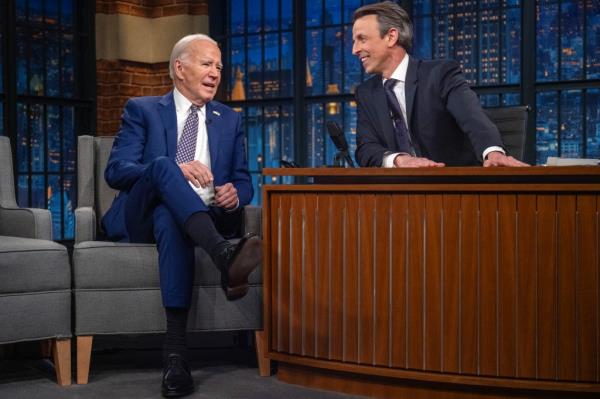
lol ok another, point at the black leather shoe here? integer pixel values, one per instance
(177, 379)
(236, 262)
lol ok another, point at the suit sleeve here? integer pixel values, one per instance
(124, 165)
(463, 104)
(369, 150)
(240, 175)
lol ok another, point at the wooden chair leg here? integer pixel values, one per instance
(264, 363)
(84, 354)
(61, 350)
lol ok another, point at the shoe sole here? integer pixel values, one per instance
(167, 394)
(248, 259)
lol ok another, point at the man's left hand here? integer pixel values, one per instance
(496, 158)
(226, 196)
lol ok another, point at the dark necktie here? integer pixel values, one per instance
(186, 148)
(400, 129)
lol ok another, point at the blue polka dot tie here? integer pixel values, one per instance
(186, 148)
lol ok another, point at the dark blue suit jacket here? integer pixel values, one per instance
(445, 118)
(149, 131)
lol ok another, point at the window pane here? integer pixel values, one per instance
(333, 12)
(36, 13)
(36, 65)
(489, 44)
(547, 42)
(23, 191)
(236, 16)
(271, 15)
(350, 126)
(314, 69)
(254, 49)
(314, 126)
(238, 77)
(314, 13)
(352, 67)
(593, 39)
(546, 126)
(22, 45)
(465, 37)
(271, 65)
(254, 20)
(333, 114)
(53, 131)
(67, 12)
(349, 7)
(254, 132)
(69, 137)
(70, 196)
(55, 204)
(593, 123)
(332, 55)
(571, 125)
(422, 7)
(53, 64)
(511, 46)
(51, 12)
(22, 138)
(286, 14)
(272, 155)
(489, 100)
(444, 40)
(67, 66)
(37, 141)
(287, 132)
(257, 184)
(572, 39)
(287, 62)
(511, 99)
(39, 192)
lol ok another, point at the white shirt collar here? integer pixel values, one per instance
(400, 71)
(182, 104)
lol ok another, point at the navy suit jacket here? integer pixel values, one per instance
(445, 118)
(149, 131)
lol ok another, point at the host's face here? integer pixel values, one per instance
(373, 51)
(198, 72)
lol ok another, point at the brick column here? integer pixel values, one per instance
(133, 43)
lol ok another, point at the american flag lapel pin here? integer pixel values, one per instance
(217, 113)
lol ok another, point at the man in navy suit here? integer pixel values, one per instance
(415, 113)
(179, 163)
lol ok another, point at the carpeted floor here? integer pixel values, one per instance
(228, 372)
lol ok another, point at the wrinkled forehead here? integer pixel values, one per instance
(204, 49)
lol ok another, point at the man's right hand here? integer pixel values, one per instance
(407, 161)
(197, 173)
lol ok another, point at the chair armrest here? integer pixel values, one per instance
(252, 219)
(85, 224)
(26, 222)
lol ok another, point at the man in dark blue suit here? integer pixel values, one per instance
(415, 113)
(179, 163)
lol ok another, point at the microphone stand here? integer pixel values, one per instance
(341, 159)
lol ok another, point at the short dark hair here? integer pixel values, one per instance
(389, 15)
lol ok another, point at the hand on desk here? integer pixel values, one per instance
(197, 173)
(407, 161)
(496, 158)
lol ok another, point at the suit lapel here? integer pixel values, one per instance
(383, 113)
(168, 115)
(213, 121)
(410, 87)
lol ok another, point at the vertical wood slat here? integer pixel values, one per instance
(366, 288)
(526, 287)
(399, 282)
(275, 253)
(566, 287)
(488, 285)
(546, 292)
(433, 259)
(337, 210)
(507, 294)
(451, 283)
(381, 337)
(311, 243)
(350, 275)
(587, 289)
(323, 242)
(283, 275)
(414, 307)
(468, 271)
(297, 242)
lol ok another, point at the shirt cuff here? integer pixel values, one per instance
(233, 209)
(388, 159)
(492, 149)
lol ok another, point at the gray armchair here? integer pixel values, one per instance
(512, 124)
(35, 275)
(116, 285)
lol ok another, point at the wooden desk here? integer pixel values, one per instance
(451, 283)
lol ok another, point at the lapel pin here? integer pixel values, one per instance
(216, 113)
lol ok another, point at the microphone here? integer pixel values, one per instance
(339, 140)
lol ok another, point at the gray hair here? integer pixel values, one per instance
(180, 49)
(389, 15)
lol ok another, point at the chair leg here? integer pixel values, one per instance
(264, 363)
(84, 353)
(61, 350)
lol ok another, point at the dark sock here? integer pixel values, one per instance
(175, 336)
(201, 229)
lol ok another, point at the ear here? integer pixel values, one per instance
(392, 37)
(178, 69)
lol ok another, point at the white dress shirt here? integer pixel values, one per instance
(400, 75)
(182, 108)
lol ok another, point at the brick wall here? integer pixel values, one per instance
(119, 80)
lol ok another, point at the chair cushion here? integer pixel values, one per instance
(31, 265)
(104, 264)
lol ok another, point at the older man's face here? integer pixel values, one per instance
(198, 72)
